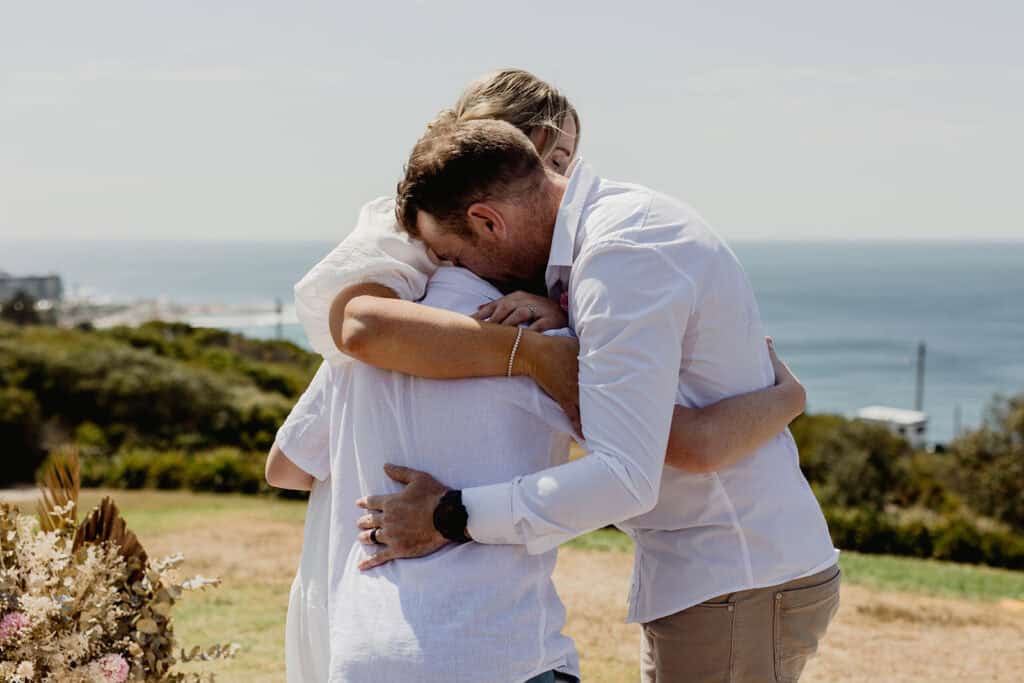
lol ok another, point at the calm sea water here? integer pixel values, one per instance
(846, 316)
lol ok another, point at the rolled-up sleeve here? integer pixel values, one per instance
(631, 307)
(305, 436)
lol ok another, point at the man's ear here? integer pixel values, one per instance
(486, 221)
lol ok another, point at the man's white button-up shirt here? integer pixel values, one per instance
(665, 314)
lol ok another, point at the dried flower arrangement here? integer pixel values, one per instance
(82, 602)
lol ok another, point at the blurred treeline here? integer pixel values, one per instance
(170, 406)
(161, 405)
(880, 495)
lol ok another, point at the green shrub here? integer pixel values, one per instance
(20, 433)
(95, 470)
(220, 470)
(272, 366)
(149, 388)
(130, 469)
(168, 470)
(923, 482)
(987, 468)
(225, 470)
(91, 439)
(809, 431)
(152, 395)
(190, 441)
(258, 417)
(869, 531)
(956, 538)
(852, 463)
(960, 541)
(913, 539)
(1003, 550)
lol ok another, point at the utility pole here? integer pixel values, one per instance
(280, 319)
(919, 395)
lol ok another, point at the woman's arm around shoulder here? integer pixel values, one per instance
(709, 439)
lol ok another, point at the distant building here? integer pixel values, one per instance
(47, 289)
(910, 424)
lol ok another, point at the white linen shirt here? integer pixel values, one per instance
(469, 612)
(665, 314)
(307, 647)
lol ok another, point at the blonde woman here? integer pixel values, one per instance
(371, 280)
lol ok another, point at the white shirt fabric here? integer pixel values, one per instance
(665, 314)
(469, 612)
(307, 648)
(376, 251)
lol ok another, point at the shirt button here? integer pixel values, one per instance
(778, 596)
(732, 607)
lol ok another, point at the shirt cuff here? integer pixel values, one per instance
(489, 509)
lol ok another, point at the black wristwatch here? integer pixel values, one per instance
(451, 518)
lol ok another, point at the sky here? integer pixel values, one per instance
(277, 120)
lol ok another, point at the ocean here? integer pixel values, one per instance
(847, 316)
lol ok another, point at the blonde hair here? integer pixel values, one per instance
(520, 98)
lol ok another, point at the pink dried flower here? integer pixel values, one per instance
(11, 624)
(26, 670)
(112, 668)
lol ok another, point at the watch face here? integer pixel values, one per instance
(450, 517)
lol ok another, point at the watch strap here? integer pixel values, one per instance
(451, 517)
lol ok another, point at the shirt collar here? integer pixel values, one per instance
(570, 211)
(464, 281)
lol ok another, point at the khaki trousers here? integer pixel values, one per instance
(755, 636)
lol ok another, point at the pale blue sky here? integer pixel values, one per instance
(276, 120)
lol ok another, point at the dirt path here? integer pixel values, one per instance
(877, 636)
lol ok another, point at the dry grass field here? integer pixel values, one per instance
(900, 620)
(878, 635)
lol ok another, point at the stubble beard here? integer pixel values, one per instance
(537, 248)
(523, 265)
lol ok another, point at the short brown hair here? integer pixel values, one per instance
(459, 163)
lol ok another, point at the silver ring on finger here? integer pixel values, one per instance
(533, 311)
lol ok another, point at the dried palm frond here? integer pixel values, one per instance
(58, 507)
(104, 524)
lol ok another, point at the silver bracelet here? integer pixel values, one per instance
(515, 348)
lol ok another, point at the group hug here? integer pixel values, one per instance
(505, 302)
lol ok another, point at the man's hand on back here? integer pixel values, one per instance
(405, 521)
